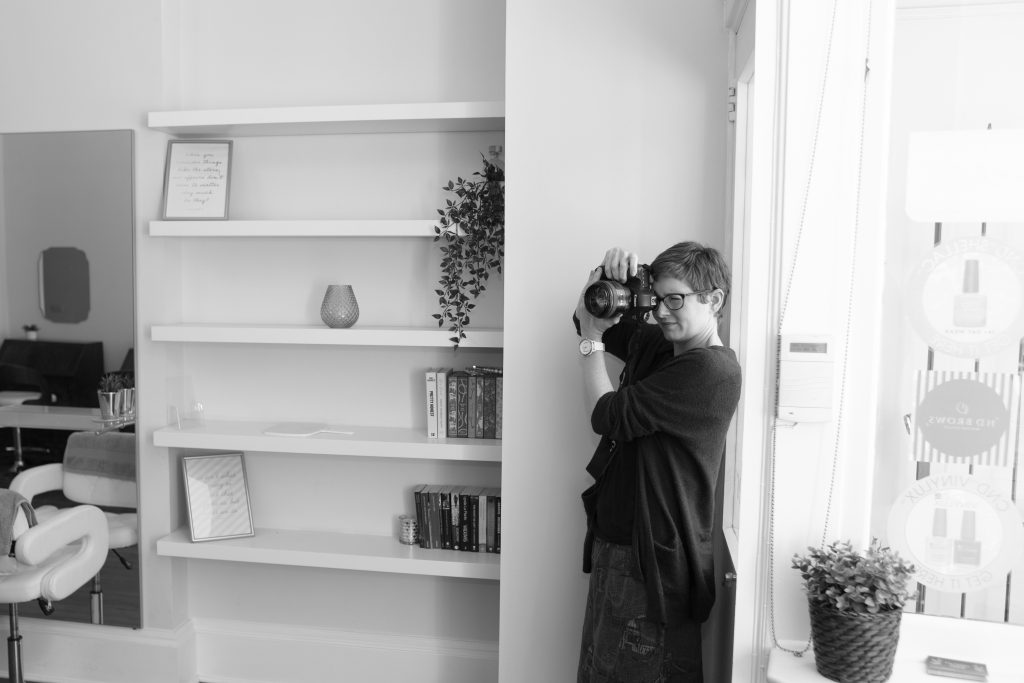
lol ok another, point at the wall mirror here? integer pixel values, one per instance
(67, 256)
(947, 484)
(64, 284)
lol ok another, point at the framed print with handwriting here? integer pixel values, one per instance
(196, 180)
(217, 495)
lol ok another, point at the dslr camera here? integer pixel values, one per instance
(607, 298)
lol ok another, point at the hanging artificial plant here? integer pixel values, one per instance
(472, 228)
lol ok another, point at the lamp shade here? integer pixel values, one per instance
(966, 176)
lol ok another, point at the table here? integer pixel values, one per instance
(48, 417)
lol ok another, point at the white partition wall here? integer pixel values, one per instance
(616, 132)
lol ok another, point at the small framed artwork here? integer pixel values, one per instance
(217, 496)
(197, 178)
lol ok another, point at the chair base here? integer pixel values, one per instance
(96, 606)
(14, 672)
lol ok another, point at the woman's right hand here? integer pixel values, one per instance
(619, 264)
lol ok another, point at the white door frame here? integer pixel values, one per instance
(756, 256)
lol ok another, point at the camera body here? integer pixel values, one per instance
(607, 298)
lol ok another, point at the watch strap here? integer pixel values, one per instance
(589, 346)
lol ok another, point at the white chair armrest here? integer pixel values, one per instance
(83, 525)
(35, 480)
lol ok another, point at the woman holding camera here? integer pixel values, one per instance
(651, 509)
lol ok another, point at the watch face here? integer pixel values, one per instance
(586, 347)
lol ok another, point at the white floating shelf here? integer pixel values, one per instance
(318, 334)
(377, 442)
(333, 550)
(336, 119)
(294, 228)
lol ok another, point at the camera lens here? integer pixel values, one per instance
(606, 299)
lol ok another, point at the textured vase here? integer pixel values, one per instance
(340, 308)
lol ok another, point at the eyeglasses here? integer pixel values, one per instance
(674, 302)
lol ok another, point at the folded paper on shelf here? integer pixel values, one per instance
(302, 429)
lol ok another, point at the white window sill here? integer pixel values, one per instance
(995, 645)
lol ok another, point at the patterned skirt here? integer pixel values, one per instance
(619, 644)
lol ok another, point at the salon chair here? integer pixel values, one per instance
(20, 384)
(98, 469)
(49, 562)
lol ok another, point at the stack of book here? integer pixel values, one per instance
(453, 517)
(464, 403)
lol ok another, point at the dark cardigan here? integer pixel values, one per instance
(673, 413)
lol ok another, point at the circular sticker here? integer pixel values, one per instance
(962, 418)
(962, 533)
(965, 298)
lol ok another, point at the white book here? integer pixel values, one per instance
(431, 381)
(442, 402)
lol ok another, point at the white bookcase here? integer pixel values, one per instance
(315, 547)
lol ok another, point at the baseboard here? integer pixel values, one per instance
(66, 652)
(229, 651)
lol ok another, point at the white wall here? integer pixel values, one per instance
(616, 136)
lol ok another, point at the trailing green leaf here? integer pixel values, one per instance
(472, 228)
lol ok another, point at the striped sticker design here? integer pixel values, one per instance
(966, 418)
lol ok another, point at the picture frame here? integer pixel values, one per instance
(217, 496)
(197, 180)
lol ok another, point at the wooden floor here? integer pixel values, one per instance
(120, 586)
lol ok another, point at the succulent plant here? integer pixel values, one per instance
(112, 381)
(847, 580)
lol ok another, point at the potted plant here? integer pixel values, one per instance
(856, 601)
(109, 394)
(472, 228)
(127, 391)
(31, 332)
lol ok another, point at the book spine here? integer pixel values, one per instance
(482, 537)
(456, 522)
(489, 387)
(497, 521)
(473, 523)
(471, 412)
(453, 405)
(462, 412)
(431, 386)
(421, 517)
(434, 516)
(463, 518)
(442, 403)
(478, 416)
(491, 522)
(446, 518)
(497, 408)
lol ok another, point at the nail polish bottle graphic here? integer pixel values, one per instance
(939, 549)
(970, 308)
(966, 550)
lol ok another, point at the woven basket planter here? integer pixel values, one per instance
(854, 647)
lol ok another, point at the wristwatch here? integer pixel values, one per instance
(588, 346)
